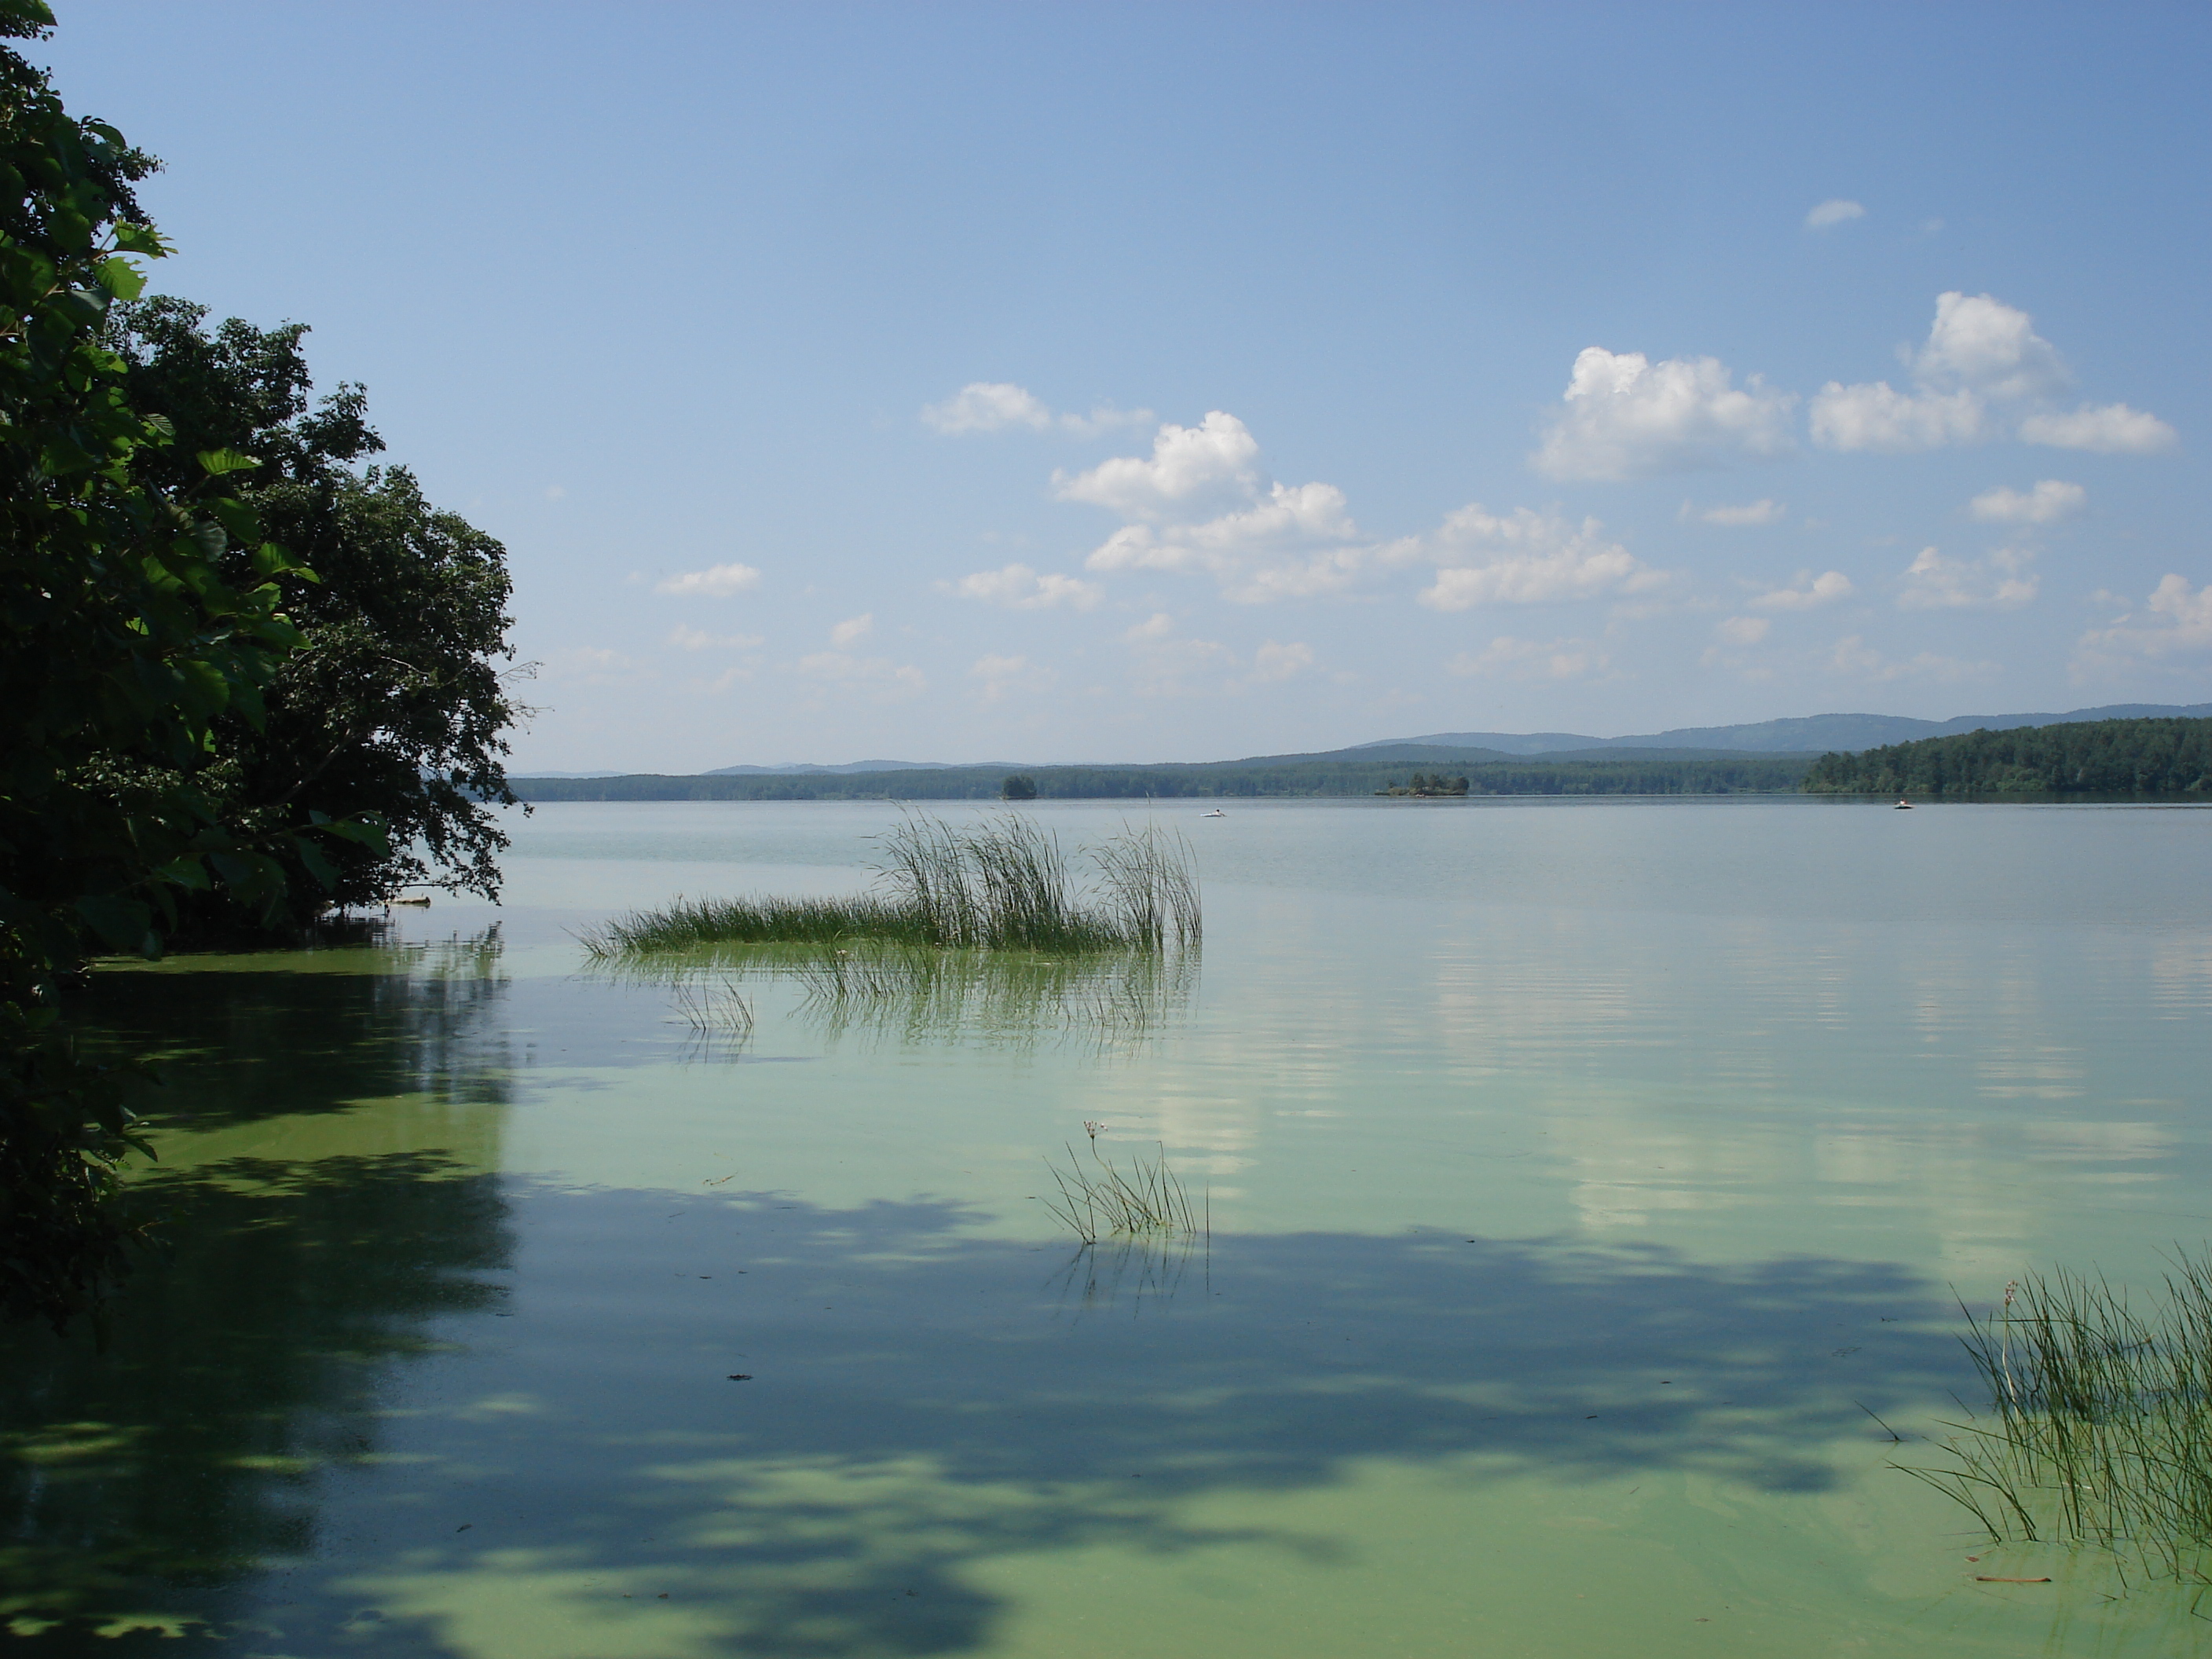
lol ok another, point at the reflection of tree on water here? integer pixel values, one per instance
(923, 995)
(1122, 1274)
(246, 1356)
(251, 1348)
(275, 1033)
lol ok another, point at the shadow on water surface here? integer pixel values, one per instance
(323, 1427)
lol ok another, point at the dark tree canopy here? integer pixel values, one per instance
(2159, 756)
(140, 619)
(395, 704)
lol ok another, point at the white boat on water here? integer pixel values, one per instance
(1216, 813)
(1903, 806)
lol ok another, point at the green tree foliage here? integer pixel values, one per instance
(136, 616)
(2096, 757)
(394, 703)
(1018, 787)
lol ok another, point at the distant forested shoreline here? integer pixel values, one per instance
(1641, 774)
(2093, 757)
(2141, 758)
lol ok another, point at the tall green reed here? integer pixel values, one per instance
(2100, 1429)
(1000, 885)
(1101, 1200)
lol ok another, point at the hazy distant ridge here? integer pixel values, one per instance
(1844, 733)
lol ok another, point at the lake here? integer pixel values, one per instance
(1585, 1185)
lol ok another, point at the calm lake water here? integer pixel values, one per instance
(1583, 1180)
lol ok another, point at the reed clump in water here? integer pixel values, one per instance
(1002, 884)
(2101, 1425)
(1101, 1200)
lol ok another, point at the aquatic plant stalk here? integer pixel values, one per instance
(1105, 1201)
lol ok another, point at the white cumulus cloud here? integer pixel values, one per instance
(1877, 417)
(2002, 581)
(1020, 588)
(1216, 460)
(1526, 558)
(1835, 210)
(1625, 416)
(852, 627)
(1980, 342)
(1806, 592)
(1201, 503)
(2106, 429)
(2180, 621)
(1982, 372)
(715, 582)
(1743, 630)
(2049, 500)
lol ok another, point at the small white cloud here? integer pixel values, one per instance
(1876, 416)
(1507, 658)
(1743, 630)
(891, 682)
(1216, 460)
(1158, 626)
(994, 405)
(1020, 588)
(1625, 416)
(852, 627)
(1281, 661)
(1006, 675)
(698, 639)
(1161, 665)
(987, 406)
(1806, 592)
(1739, 517)
(555, 492)
(1527, 558)
(1853, 656)
(1999, 582)
(716, 582)
(2049, 501)
(2106, 429)
(593, 664)
(1980, 342)
(1835, 210)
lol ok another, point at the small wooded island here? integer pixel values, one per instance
(1426, 784)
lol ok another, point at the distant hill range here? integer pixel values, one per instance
(796, 770)
(1813, 734)
(1768, 755)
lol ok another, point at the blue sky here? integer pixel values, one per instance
(1061, 382)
